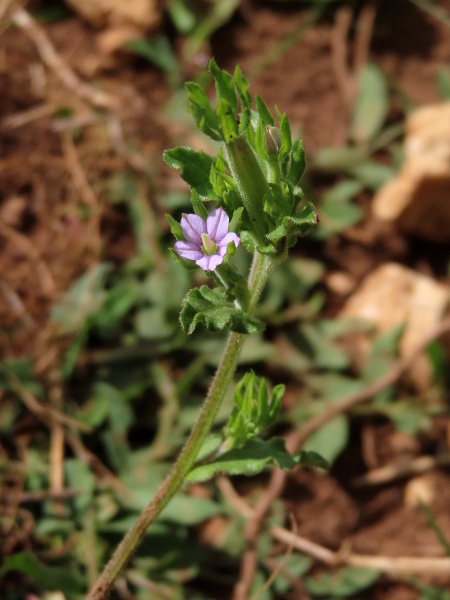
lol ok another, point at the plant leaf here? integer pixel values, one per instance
(195, 168)
(251, 459)
(372, 104)
(211, 308)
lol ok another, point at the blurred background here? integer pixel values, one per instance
(98, 384)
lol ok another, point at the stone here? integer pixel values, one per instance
(393, 295)
(417, 201)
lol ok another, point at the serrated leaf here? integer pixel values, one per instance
(200, 109)
(249, 460)
(210, 308)
(195, 168)
(224, 86)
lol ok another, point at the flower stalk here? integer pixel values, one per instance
(261, 268)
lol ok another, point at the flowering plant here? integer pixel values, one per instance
(254, 183)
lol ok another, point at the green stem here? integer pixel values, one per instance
(261, 267)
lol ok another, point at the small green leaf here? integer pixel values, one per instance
(200, 109)
(312, 460)
(297, 225)
(372, 104)
(198, 206)
(175, 228)
(251, 459)
(286, 139)
(372, 174)
(195, 168)
(253, 412)
(264, 113)
(224, 86)
(298, 163)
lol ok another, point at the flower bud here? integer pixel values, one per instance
(273, 140)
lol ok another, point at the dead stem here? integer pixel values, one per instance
(387, 564)
(53, 61)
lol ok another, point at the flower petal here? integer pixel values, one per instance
(188, 250)
(192, 227)
(209, 263)
(217, 224)
(230, 237)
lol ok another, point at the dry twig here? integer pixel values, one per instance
(53, 61)
(390, 473)
(388, 564)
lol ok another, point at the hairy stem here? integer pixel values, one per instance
(261, 267)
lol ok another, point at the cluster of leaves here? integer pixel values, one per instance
(240, 452)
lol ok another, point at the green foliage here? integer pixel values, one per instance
(372, 104)
(212, 309)
(253, 411)
(343, 583)
(159, 52)
(68, 582)
(253, 457)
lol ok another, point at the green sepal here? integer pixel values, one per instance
(295, 225)
(195, 168)
(298, 163)
(252, 459)
(175, 228)
(211, 308)
(198, 206)
(189, 265)
(236, 219)
(200, 109)
(249, 241)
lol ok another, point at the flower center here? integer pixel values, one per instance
(209, 247)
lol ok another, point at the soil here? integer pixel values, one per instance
(56, 221)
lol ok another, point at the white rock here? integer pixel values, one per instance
(418, 199)
(393, 295)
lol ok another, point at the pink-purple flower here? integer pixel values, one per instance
(206, 241)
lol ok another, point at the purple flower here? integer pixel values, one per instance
(206, 242)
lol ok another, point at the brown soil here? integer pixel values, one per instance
(55, 220)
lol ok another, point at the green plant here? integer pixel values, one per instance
(254, 183)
